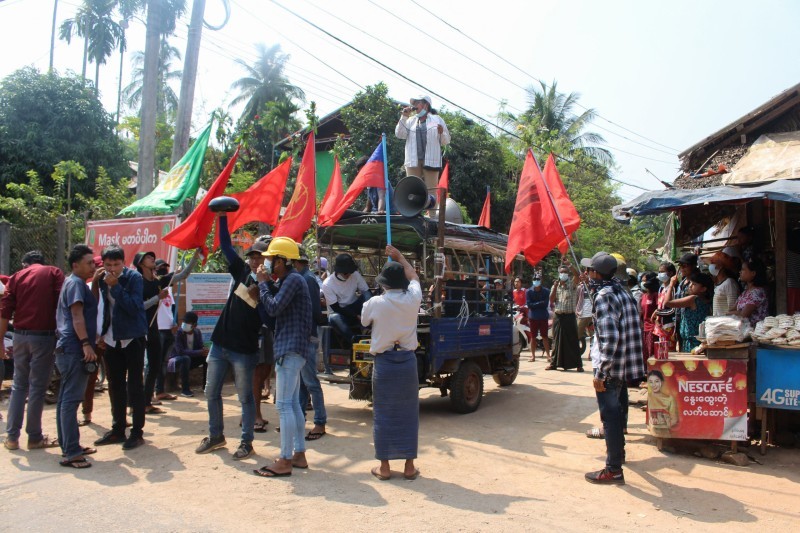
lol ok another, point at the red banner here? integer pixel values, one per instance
(697, 398)
(134, 235)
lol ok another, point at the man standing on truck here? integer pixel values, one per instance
(617, 358)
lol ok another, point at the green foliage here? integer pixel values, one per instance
(165, 133)
(47, 118)
(108, 198)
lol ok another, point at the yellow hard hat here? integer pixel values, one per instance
(283, 247)
(619, 258)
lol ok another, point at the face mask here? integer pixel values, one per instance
(663, 277)
(186, 327)
(268, 266)
(643, 286)
(713, 269)
(340, 278)
(563, 276)
(537, 283)
(422, 113)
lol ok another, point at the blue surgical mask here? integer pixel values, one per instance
(663, 277)
(186, 327)
(563, 276)
(268, 266)
(537, 283)
(422, 113)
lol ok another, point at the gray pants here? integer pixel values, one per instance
(34, 357)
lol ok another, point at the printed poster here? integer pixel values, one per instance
(206, 295)
(697, 398)
(778, 378)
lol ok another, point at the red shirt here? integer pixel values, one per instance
(519, 297)
(31, 298)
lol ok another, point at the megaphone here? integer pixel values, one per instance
(223, 204)
(412, 197)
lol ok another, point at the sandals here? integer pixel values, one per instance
(78, 462)
(44, 443)
(260, 427)
(412, 477)
(265, 471)
(152, 410)
(84, 422)
(315, 435)
(595, 433)
(376, 471)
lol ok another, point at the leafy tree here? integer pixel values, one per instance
(47, 118)
(265, 82)
(167, 100)
(164, 134)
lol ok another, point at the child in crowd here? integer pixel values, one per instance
(648, 305)
(696, 307)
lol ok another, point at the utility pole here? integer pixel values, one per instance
(184, 120)
(53, 35)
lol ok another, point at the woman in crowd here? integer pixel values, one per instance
(665, 316)
(648, 305)
(752, 303)
(723, 269)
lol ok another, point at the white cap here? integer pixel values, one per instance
(421, 98)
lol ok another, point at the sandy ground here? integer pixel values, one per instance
(517, 464)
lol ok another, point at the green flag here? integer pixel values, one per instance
(180, 183)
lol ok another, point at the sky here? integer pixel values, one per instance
(661, 76)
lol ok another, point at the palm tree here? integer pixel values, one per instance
(167, 100)
(549, 121)
(265, 82)
(280, 120)
(78, 26)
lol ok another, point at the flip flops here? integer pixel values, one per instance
(260, 427)
(44, 443)
(412, 477)
(376, 471)
(79, 463)
(154, 411)
(268, 472)
(315, 435)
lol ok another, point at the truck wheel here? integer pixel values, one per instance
(466, 390)
(505, 378)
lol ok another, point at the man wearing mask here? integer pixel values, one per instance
(345, 293)
(538, 301)
(563, 298)
(124, 331)
(234, 345)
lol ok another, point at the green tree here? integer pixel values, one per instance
(167, 100)
(47, 118)
(265, 82)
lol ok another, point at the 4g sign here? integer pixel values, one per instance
(778, 378)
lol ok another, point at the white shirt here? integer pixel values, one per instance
(109, 336)
(164, 313)
(725, 296)
(407, 129)
(343, 292)
(393, 316)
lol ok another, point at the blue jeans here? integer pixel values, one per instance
(33, 366)
(287, 370)
(167, 340)
(613, 422)
(219, 360)
(182, 365)
(311, 385)
(73, 386)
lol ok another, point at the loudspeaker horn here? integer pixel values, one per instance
(411, 197)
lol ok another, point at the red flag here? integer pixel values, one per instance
(563, 246)
(300, 211)
(535, 228)
(486, 212)
(261, 202)
(444, 179)
(193, 231)
(370, 175)
(334, 194)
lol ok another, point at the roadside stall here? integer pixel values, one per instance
(739, 387)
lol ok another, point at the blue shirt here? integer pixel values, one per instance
(73, 291)
(291, 307)
(538, 303)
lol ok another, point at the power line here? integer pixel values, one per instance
(414, 82)
(530, 75)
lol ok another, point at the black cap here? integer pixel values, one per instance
(257, 247)
(137, 259)
(344, 264)
(393, 276)
(160, 263)
(688, 259)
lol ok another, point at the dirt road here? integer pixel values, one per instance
(517, 464)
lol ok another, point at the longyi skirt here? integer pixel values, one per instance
(395, 399)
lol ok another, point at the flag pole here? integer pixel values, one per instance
(388, 205)
(558, 216)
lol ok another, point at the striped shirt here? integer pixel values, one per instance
(291, 306)
(618, 333)
(565, 297)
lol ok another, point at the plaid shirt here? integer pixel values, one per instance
(291, 306)
(565, 298)
(618, 330)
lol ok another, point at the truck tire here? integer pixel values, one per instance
(466, 390)
(503, 378)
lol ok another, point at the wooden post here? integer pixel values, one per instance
(780, 258)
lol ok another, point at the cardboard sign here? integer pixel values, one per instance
(697, 398)
(134, 235)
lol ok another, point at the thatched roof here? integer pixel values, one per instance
(729, 144)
